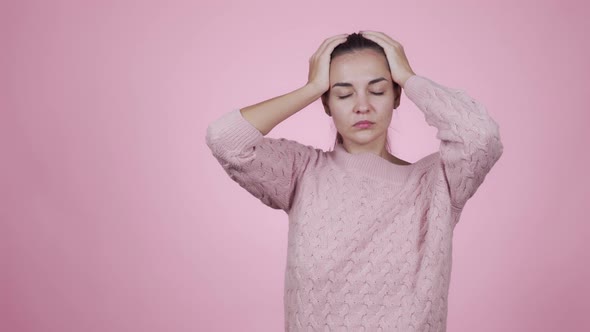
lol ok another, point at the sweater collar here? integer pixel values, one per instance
(370, 164)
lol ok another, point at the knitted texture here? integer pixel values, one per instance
(370, 242)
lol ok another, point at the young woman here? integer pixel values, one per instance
(370, 235)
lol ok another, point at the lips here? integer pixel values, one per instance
(364, 122)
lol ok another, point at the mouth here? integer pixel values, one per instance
(363, 124)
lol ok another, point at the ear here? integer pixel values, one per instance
(397, 92)
(325, 103)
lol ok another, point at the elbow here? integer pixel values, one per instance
(215, 142)
(216, 133)
(209, 137)
(496, 149)
(213, 139)
(494, 145)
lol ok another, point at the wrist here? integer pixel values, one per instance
(405, 78)
(314, 89)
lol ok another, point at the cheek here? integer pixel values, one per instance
(340, 121)
(339, 107)
(386, 103)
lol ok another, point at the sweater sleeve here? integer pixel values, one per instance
(470, 138)
(268, 168)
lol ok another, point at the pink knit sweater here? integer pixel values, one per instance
(370, 242)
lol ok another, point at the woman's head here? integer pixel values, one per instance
(361, 88)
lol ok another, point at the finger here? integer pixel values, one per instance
(385, 43)
(332, 45)
(382, 42)
(371, 32)
(329, 42)
(379, 35)
(326, 50)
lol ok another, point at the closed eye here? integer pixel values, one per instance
(375, 93)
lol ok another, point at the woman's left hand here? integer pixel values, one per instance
(396, 57)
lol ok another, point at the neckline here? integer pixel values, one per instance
(370, 164)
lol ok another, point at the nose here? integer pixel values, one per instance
(362, 105)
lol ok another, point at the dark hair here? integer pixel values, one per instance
(356, 42)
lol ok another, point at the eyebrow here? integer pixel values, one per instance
(370, 82)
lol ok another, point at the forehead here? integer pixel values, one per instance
(358, 66)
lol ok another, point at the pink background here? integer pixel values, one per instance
(116, 217)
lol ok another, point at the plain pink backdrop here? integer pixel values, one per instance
(116, 217)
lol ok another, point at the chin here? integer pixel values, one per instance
(361, 140)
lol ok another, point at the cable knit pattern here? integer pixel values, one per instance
(370, 242)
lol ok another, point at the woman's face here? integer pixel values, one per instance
(361, 88)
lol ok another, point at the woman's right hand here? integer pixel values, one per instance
(319, 63)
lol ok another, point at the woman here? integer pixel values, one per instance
(370, 235)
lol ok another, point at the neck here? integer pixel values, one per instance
(376, 147)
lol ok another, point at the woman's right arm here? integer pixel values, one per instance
(265, 115)
(270, 168)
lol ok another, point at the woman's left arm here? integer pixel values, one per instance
(470, 138)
